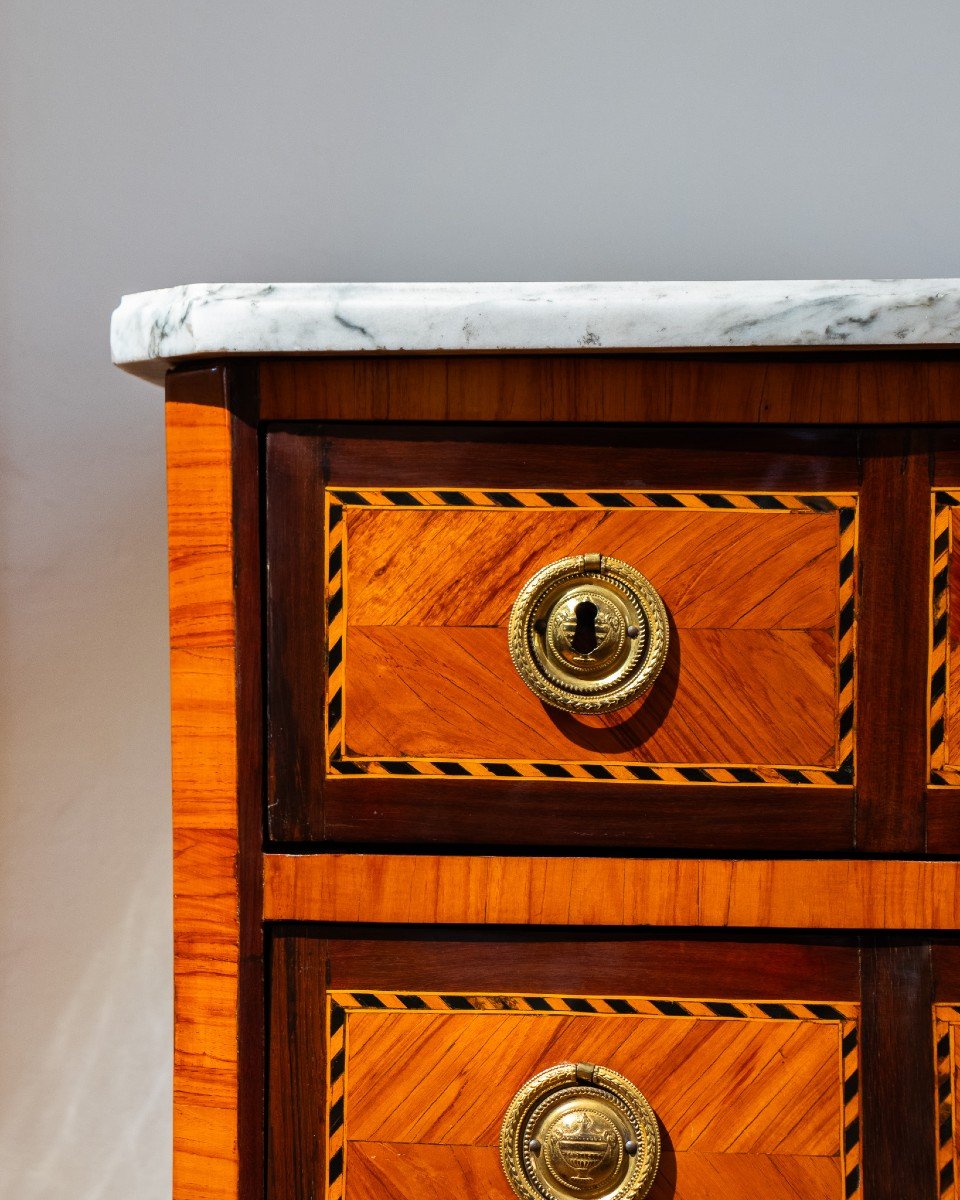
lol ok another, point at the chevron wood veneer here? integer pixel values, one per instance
(945, 641)
(765, 1096)
(946, 1020)
(760, 674)
(390, 1172)
(946, 1034)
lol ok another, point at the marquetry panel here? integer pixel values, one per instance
(945, 641)
(759, 682)
(946, 1031)
(751, 1096)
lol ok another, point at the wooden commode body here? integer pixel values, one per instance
(566, 728)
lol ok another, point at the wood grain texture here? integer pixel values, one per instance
(531, 960)
(730, 1082)
(802, 894)
(653, 457)
(941, 585)
(296, 631)
(952, 715)
(943, 820)
(897, 1064)
(783, 1100)
(535, 962)
(251, 1038)
(217, 935)
(943, 799)
(304, 806)
(793, 388)
(400, 1172)
(946, 467)
(893, 636)
(945, 952)
(946, 967)
(725, 698)
(685, 817)
(296, 1143)
(945, 641)
(946, 1018)
(751, 676)
(731, 569)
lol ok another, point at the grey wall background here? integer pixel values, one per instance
(145, 145)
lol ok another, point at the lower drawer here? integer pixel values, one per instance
(401, 1062)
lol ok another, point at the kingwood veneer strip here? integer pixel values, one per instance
(807, 894)
(873, 386)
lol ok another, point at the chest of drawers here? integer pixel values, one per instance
(566, 738)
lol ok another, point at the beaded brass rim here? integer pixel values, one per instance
(578, 1131)
(588, 633)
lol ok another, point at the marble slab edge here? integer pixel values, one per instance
(152, 330)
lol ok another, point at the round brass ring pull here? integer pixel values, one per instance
(588, 633)
(579, 1132)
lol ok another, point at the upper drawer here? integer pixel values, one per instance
(394, 563)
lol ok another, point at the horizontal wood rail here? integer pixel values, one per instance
(797, 894)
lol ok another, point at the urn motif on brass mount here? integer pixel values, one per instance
(578, 1131)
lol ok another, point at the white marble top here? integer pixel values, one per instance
(151, 330)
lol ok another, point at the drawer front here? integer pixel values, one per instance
(399, 1070)
(943, 691)
(942, 565)
(749, 1098)
(398, 705)
(946, 1032)
(757, 685)
(945, 641)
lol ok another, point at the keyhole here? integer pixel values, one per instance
(585, 635)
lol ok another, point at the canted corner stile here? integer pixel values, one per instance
(342, 764)
(341, 1004)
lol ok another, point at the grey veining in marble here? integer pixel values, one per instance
(150, 330)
